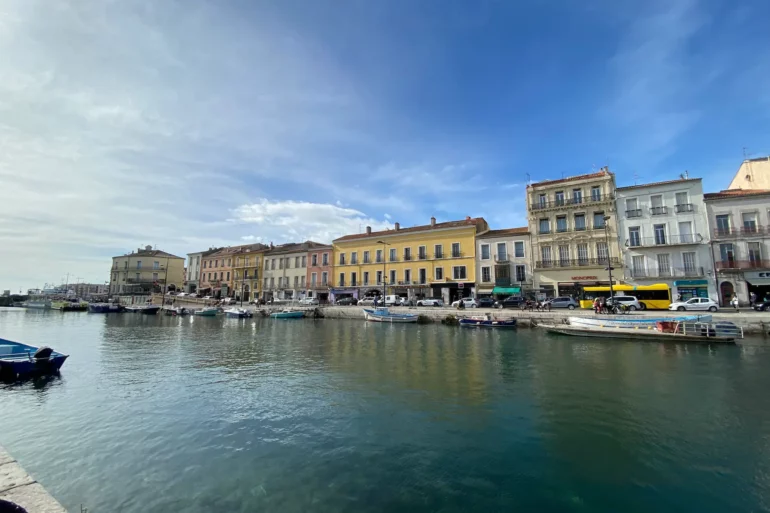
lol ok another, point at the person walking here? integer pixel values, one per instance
(752, 299)
(734, 302)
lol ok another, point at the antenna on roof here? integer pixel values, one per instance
(636, 178)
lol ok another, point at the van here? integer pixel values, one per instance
(392, 300)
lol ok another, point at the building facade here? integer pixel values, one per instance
(433, 260)
(740, 231)
(664, 237)
(503, 263)
(320, 272)
(573, 225)
(146, 271)
(193, 270)
(247, 283)
(216, 275)
(753, 174)
(285, 271)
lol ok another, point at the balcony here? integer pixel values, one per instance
(393, 259)
(160, 281)
(666, 240)
(502, 259)
(658, 211)
(457, 254)
(684, 207)
(422, 257)
(723, 265)
(580, 262)
(407, 258)
(634, 213)
(742, 231)
(503, 282)
(438, 255)
(341, 283)
(676, 272)
(140, 268)
(569, 202)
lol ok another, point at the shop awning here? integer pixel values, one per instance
(506, 290)
(691, 283)
(758, 281)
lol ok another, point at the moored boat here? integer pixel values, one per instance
(178, 311)
(209, 311)
(698, 332)
(149, 309)
(238, 313)
(385, 315)
(17, 359)
(633, 321)
(105, 308)
(38, 304)
(288, 314)
(487, 321)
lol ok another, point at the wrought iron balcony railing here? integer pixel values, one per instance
(664, 240)
(676, 272)
(578, 262)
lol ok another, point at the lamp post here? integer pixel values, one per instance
(609, 263)
(384, 269)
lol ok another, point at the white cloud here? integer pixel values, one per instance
(387, 216)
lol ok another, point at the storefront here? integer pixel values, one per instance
(567, 283)
(450, 292)
(503, 292)
(340, 293)
(689, 289)
(758, 282)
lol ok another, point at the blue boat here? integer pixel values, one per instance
(385, 315)
(238, 313)
(486, 321)
(105, 308)
(18, 359)
(288, 314)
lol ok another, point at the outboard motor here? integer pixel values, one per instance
(43, 354)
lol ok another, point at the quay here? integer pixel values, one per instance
(18, 487)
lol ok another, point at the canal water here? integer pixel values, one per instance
(160, 415)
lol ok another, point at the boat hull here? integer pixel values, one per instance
(17, 360)
(385, 316)
(150, 310)
(646, 335)
(487, 323)
(625, 322)
(238, 314)
(205, 313)
(287, 315)
(105, 308)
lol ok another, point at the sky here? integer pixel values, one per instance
(187, 124)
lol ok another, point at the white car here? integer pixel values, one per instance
(207, 297)
(181, 294)
(630, 301)
(696, 303)
(367, 301)
(469, 303)
(430, 302)
(312, 301)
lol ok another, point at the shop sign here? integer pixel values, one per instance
(461, 285)
(583, 278)
(756, 275)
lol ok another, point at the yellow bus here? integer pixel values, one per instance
(654, 297)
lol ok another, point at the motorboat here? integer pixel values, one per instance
(38, 304)
(149, 309)
(238, 313)
(178, 311)
(17, 359)
(385, 315)
(106, 308)
(209, 311)
(288, 314)
(627, 321)
(664, 331)
(487, 321)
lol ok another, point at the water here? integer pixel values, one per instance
(160, 414)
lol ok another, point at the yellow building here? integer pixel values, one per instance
(146, 270)
(247, 280)
(433, 260)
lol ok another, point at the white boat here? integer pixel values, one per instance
(698, 332)
(209, 311)
(38, 304)
(633, 321)
(384, 315)
(238, 313)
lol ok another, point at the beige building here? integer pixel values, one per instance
(573, 225)
(503, 262)
(753, 174)
(284, 273)
(145, 271)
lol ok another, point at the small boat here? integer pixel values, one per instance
(17, 359)
(288, 314)
(38, 304)
(238, 313)
(106, 308)
(486, 321)
(698, 332)
(385, 315)
(149, 309)
(633, 321)
(178, 311)
(209, 311)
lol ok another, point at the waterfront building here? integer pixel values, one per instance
(246, 271)
(433, 260)
(664, 234)
(145, 271)
(753, 174)
(320, 272)
(216, 275)
(503, 262)
(193, 270)
(740, 229)
(573, 225)
(88, 290)
(284, 274)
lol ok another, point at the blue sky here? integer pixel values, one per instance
(193, 123)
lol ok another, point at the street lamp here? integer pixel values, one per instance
(383, 268)
(609, 262)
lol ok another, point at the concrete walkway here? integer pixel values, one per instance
(18, 487)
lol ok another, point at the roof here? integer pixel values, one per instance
(294, 247)
(231, 250)
(599, 174)
(666, 182)
(478, 222)
(524, 230)
(735, 193)
(149, 253)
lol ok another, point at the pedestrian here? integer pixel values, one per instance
(734, 302)
(679, 298)
(375, 301)
(752, 299)
(596, 305)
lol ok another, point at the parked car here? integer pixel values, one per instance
(183, 294)
(367, 301)
(485, 302)
(392, 300)
(227, 300)
(207, 297)
(511, 302)
(629, 301)
(468, 301)
(696, 303)
(430, 301)
(308, 301)
(346, 301)
(762, 306)
(563, 302)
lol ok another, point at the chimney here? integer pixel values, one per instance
(396, 226)
(467, 218)
(368, 230)
(433, 221)
(271, 245)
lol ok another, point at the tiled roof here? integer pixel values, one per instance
(294, 247)
(505, 232)
(478, 222)
(666, 182)
(571, 178)
(150, 253)
(735, 193)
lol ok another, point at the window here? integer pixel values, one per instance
(156, 265)
(596, 193)
(580, 222)
(325, 259)
(324, 278)
(688, 259)
(228, 275)
(354, 258)
(313, 278)
(582, 254)
(660, 234)
(656, 205)
(392, 255)
(602, 252)
(265, 286)
(634, 236)
(138, 264)
(209, 279)
(545, 226)
(296, 262)
(521, 273)
(407, 254)
(366, 278)
(458, 272)
(545, 252)
(632, 208)
(577, 196)
(353, 277)
(561, 224)
(438, 251)
(518, 249)
(342, 258)
(485, 252)
(280, 263)
(125, 264)
(155, 276)
(229, 262)
(542, 201)
(302, 281)
(422, 276)
(304, 261)
(637, 265)
(559, 198)
(681, 201)
(456, 250)
(486, 274)
(727, 254)
(393, 276)
(314, 260)
(685, 232)
(379, 277)
(272, 264)
(502, 252)
(342, 279)
(378, 256)
(664, 265)
(598, 220)
(439, 273)
(564, 255)
(221, 275)
(755, 253)
(407, 275)
(296, 281)
(204, 263)
(422, 252)
(749, 222)
(366, 257)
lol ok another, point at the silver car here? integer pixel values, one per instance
(564, 302)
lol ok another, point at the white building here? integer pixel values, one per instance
(193, 270)
(285, 270)
(740, 224)
(664, 235)
(503, 262)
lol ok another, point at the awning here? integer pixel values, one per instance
(506, 290)
(758, 281)
(691, 283)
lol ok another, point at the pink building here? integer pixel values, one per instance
(319, 272)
